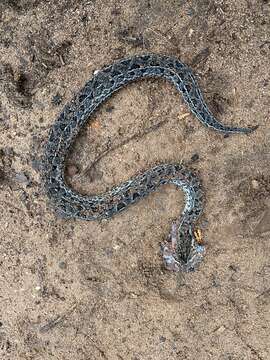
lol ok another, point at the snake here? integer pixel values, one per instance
(181, 251)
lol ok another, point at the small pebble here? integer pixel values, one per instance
(255, 184)
(22, 178)
(162, 339)
(190, 12)
(57, 99)
(194, 157)
(108, 252)
(220, 330)
(62, 265)
(233, 267)
(191, 31)
(215, 283)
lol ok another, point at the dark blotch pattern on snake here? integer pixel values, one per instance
(181, 252)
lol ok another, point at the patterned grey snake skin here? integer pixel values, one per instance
(182, 251)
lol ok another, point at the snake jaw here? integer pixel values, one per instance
(171, 259)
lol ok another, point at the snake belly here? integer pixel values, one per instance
(181, 252)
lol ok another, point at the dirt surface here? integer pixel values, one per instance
(98, 290)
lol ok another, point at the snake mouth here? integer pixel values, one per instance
(172, 263)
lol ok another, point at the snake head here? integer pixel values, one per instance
(184, 253)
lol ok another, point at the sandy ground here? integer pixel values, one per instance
(98, 290)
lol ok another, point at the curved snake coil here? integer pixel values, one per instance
(181, 252)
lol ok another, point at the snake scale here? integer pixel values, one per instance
(181, 251)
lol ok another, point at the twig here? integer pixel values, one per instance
(56, 321)
(138, 135)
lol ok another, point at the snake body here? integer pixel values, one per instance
(182, 252)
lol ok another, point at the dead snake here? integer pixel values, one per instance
(182, 252)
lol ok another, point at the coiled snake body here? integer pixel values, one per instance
(182, 252)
